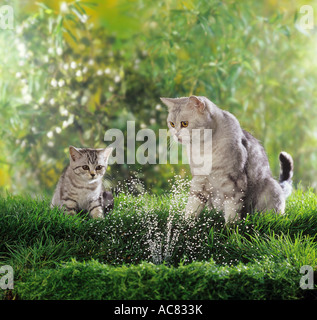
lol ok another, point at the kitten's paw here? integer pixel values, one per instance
(231, 220)
(97, 213)
(194, 207)
(71, 212)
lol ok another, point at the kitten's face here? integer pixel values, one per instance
(185, 114)
(89, 164)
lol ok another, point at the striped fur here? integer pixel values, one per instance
(240, 180)
(80, 185)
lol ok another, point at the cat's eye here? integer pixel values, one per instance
(85, 167)
(184, 124)
(172, 124)
(98, 167)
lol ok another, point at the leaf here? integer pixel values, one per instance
(247, 66)
(72, 17)
(91, 5)
(285, 30)
(71, 35)
(59, 25)
(76, 11)
(80, 8)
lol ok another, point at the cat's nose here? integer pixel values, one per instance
(92, 174)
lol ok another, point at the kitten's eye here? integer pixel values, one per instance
(184, 124)
(85, 167)
(98, 167)
(172, 124)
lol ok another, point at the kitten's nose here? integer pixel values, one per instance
(92, 174)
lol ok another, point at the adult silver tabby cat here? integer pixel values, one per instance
(80, 185)
(239, 181)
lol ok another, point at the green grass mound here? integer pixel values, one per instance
(146, 246)
(197, 280)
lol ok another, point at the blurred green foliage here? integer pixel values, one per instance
(70, 71)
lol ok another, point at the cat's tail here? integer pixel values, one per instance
(286, 173)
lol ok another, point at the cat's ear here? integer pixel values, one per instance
(169, 102)
(106, 153)
(74, 153)
(197, 103)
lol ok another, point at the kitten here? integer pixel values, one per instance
(239, 180)
(80, 185)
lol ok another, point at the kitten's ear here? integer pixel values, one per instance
(107, 152)
(169, 102)
(197, 103)
(74, 153)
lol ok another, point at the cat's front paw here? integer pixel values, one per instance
(194, 207)
(97, 213)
